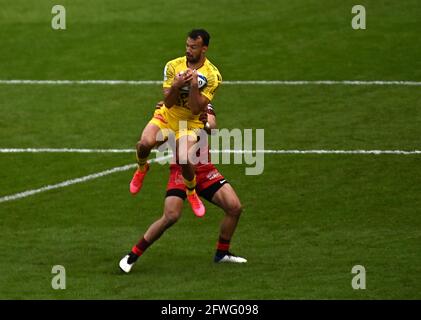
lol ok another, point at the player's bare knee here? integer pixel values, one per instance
(144, 145)
(235, 209)
(139, 147)
(171, 216)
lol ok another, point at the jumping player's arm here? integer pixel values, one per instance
(197, 101)
(173, 83)
(171, 96)
(202, 99)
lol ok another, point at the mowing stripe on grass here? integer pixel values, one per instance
(67, 183)
(228, 82)
(73, 150)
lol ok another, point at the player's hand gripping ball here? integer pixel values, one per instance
(188, 74)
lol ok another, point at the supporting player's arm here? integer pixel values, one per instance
(196, 101)
(211, 122)
(208, 118)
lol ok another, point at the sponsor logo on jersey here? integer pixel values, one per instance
(213, 175)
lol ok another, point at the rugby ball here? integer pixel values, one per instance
(201, 79)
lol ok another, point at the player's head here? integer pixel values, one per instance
(196, 44)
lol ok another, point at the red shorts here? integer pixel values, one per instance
(208, 181)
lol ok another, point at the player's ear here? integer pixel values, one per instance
(204, 49)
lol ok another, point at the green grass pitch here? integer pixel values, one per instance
(308, 219)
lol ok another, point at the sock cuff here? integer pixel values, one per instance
(141, 161)
(223, 244)
(139, 248)
(222, 240)
(137, 251)
(190, 185)
(190, 182)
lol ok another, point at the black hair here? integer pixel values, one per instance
(195, 33)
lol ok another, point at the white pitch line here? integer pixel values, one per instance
(67, 183)
(227, 82)
(378, 152)
(73, 150)
(72, 82)
(63, 150)
(324, 82)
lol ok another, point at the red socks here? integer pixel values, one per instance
(222, 245)
(140, 247)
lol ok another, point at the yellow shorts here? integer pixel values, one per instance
(168, 122)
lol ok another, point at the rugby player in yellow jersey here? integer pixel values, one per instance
(189, 85)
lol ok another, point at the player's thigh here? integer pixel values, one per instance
(185, 147)
(149, 135)
(226, 198)
(172, 208)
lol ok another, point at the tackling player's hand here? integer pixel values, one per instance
(203, 117)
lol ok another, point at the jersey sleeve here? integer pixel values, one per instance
(169, 75)
(214, 81)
